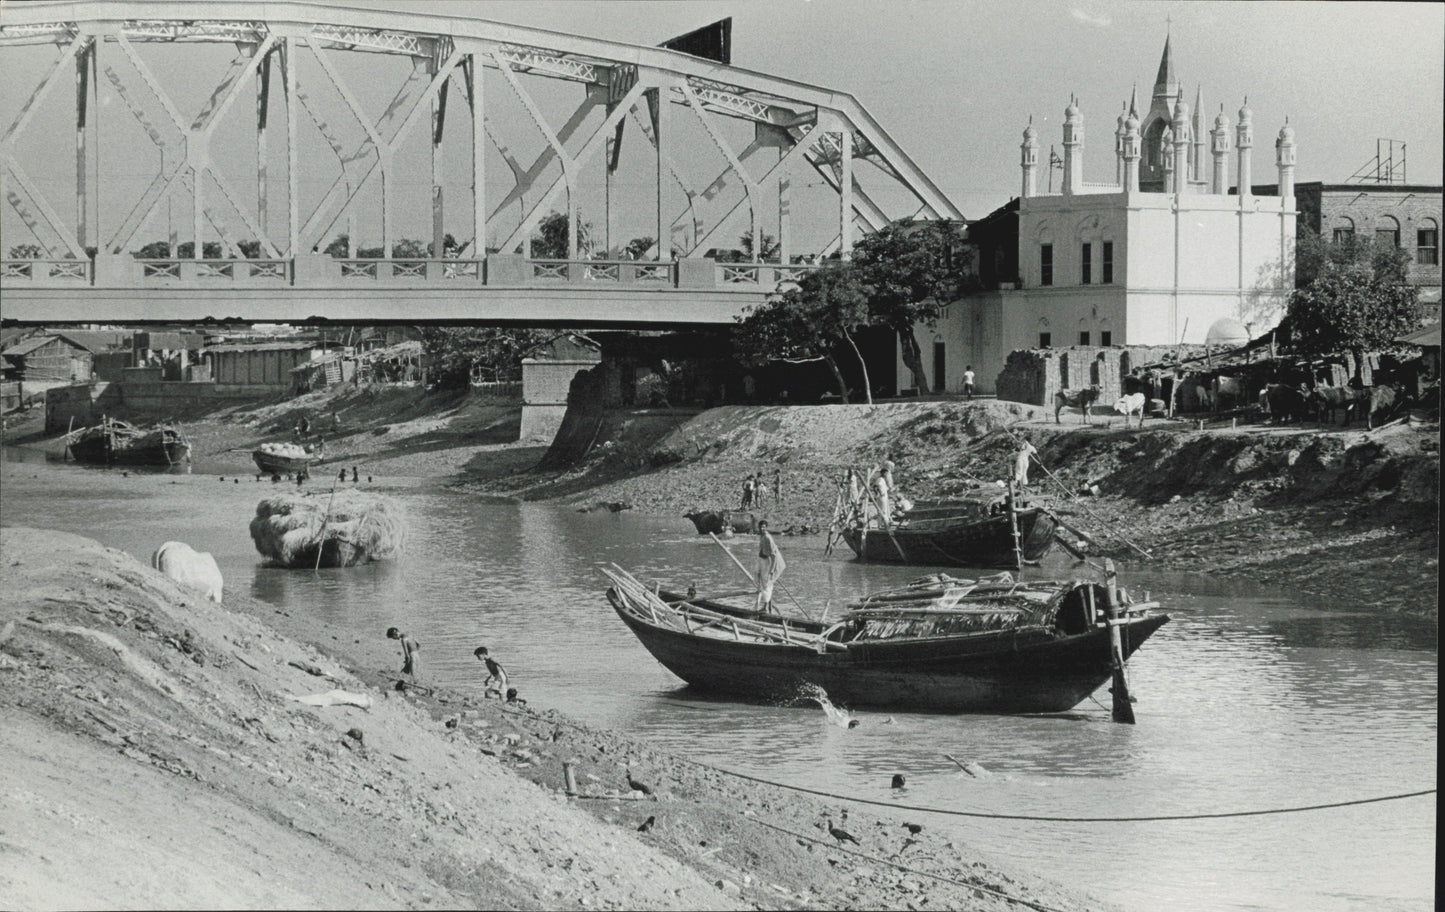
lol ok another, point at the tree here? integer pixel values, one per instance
(808, 321)
(1351, 308)
(910, 270)
(455, 354)
(26, 252)
(550, 241)
(1313, 252)
(767, 251)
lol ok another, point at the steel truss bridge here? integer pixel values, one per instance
(292, 93)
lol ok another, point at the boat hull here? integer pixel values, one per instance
(967, 542)
(271, 464)
(1028, 670)
(96, 450)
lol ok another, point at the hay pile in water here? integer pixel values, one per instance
(309, 530)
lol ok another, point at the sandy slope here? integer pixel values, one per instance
(154, 758)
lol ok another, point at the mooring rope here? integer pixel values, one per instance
(992, 816)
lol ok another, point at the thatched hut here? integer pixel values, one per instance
(328, 529)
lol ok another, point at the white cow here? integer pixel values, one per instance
(1130, 404)
(189, 567)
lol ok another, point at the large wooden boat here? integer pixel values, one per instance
(939, 644)
(115, 442)
(977, 532)
(283, 458)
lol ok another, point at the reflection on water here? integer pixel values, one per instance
(1247, 700)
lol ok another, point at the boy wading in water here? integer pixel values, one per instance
(409, 650)
(770, 566)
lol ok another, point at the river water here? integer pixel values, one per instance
(1248, 700)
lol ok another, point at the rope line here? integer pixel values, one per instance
(991, 816)
(1051, 819)
(902, 867)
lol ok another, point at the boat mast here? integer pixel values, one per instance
(1013, 522)
(1123, 706)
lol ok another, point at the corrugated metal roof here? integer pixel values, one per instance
(20, 349)
(1426, 337)
(261, 346)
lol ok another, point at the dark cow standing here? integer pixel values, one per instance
(1286, 402)
(1080, 399)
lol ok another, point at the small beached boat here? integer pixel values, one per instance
(941, 644)
(975, 532)
(115, 442)
(283, 458)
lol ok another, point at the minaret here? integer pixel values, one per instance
(1196, 132)
(1181, 148)
(1284, 160)
(1029, 160)
(1073, 148)
(1219, 147)
(1166, 147)
(1243, 142)
(1154, 122)
(1131, 151)
(1119, 148)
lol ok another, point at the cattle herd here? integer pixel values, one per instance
(1278, 402)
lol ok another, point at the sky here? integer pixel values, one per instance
(954, 82)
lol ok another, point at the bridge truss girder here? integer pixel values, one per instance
(814, 129)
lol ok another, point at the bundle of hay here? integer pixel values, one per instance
(328, 530)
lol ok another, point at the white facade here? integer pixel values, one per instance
(1111, 265)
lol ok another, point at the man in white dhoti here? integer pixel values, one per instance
(770, 566)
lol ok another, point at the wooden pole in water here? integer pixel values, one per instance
(1123, 707)
(1013, 522)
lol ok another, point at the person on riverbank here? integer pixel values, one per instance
(1021, 462)
(770, 566)
(749, 490)
(883, 491)
(968, 383)
(410, 664)
(496, 681)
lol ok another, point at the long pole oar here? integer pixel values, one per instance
(1075, 498)
(321, 537)
(751, 579)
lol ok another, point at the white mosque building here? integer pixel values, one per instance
(1156, 257)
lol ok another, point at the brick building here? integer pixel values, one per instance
(1402, 215)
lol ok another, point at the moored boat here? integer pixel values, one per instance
(116, 442)
(283, 458)
(977, 532)
(940, 644)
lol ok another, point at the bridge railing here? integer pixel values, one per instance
(119, 270)
(46, 272)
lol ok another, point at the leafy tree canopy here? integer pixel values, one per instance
(1351, 308)
(26, 252)
(912, 269)
(550, 240)
(454, 355)
(810, 320)
(1313, 253)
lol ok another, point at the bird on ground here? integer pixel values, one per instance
(637, 786)
(841, 834)
(647, 825)
(913, 828)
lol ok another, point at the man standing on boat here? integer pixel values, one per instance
(1021, 463)
(770, 566)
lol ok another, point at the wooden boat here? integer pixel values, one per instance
(283, 458)
(977, 532)
(115, 442)
(939, 644)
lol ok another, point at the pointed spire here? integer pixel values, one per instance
(1166, 69)
(1134, 100)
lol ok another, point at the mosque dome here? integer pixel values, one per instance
(1030, 134)
(1072, 111)
(1286, 133)
(1226, 331)
(1221, 121)
(1245, 114)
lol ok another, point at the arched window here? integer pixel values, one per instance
(1343, 229)
(1154, 144)
(1427, 243)
(1387, 230)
